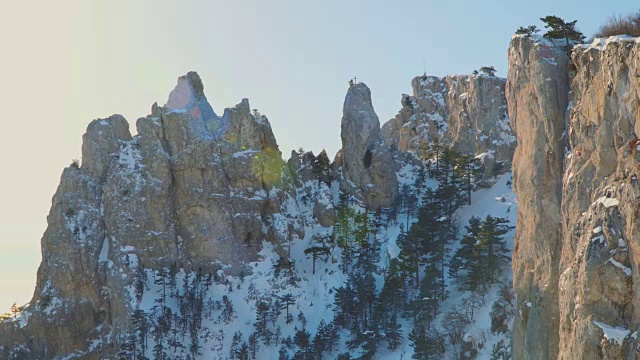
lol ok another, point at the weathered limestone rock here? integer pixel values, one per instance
(576, 281)
(537, 93)
(598, 290)
(191, 189)
(101, 142)
(468, 112)
(367, 165)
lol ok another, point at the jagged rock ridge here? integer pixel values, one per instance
(468, 112)
(193, 191)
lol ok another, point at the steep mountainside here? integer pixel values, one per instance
(195, 240)
(576, 177)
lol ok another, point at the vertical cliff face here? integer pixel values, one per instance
(599, 302)
(537, 94)
(468, 112)
(576, 178)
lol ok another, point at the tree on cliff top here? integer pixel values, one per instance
(528, 31)
(488, 70)
(560, 29)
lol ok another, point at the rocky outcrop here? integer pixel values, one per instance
(192, 190)
(599, 302)
(315, 177)
(537, 93)
(468, 112)
(367, 165)
(576, 280)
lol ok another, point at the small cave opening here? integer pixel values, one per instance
(367, 159)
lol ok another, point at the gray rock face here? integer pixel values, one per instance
(191, 189)
(468, 112)
(367, 165)
(598, 290)
(537, 93)
(576, 281)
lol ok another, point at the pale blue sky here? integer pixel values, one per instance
(66, 62)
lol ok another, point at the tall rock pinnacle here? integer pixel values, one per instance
(367, 166)
(537, 93)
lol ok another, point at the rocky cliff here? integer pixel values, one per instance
(468, 112)
(203, 199)
(191, 190)
(575, 175)
(367, 164)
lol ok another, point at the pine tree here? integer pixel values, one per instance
(283, 354)
(140, 282)
(228, 313)
(409, 257)
(345, 304)
(408, 201)
(418, 339)
(158, 347)
(528, 31)
(482, 251)
(558, 28)
(194, 348)
(488, 70)
(491, 241)
(159, 279)
(319, 341)
(262, 314)
(235, 345)
(434, 151)
(426, 345)
(344, 231)
(139, 320)
(468, 164)
(243, 352)
(450, 177)
(468, 256)
(302, 339)
(393, 333)
(321, 167)
(284, 302)
(331, 336)
(254, 345)
(316, 252)
(392, 293)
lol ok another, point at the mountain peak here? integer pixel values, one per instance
(188, 96)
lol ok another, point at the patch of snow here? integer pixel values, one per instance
(608, 202)
(245, 153)
(602, 43)
(627, 270)
(104, 251)
(613, 333)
